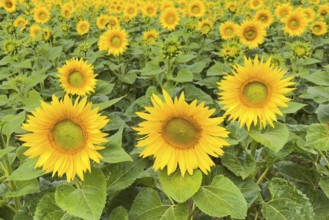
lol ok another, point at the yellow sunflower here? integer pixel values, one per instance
(113, 23)
(205, 26)
(41, 15)
(115, 41)
(67, 12)
(150, 10)
(319, 28)
(252, 33)
(102, 21)
(64, 136)
(77, 77)
(169, 19)
(178, 133)
(20, 22)
(35, 30)
(283, 10)
(255, 4)
(9, 5)
(130, 11)
(309, 14)
(228, 30)
(323, 10)
(151, 36)
(231, 6)
(83, 27)
(254, 93)
(196, 9)
(295, 23)
(265, 16)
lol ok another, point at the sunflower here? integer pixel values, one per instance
(231, 6)
(130, 11)
(9, 5)
(166, 4)
(265, 16)
(323, 10)
(251, 33)
(64, 136)
(169, 19)
(20, 22)
(196, 9)
(41, 15)
(115, 41)
(205, 26)
(67, 12)
(102, 21)
(309, 14)
(34, 31)
(283, 10)
(228, 30)
(319, 28)
(151, 36)
(77, 77)
(149, 10)
(255, 4)
(295, 23)
(83, 27)
(254, 93)
(178, 133)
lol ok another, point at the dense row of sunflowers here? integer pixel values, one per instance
(250, 50)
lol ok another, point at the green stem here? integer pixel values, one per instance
(263, 175)
(191, 215)
(325, 158)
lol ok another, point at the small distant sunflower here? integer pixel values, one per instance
(130, 11)
(35, 30)
(196, 9)
(295, 23)
(255, 4)
(205, 26)
(301, 50)
(151, 36)
(254, 93)
(20, 22)
(102, 21)
(83, 27)
(150, 10)
(166, 4)
(169, 19)
(309, 14)
(283, 10)
(113, 23)
(9, 5)
(77, 77)
(231, 6)
(41, 15)
(47, 34)
(228, 30)
(115, 41)
(319, 28)
(180, 134)
(67, 12)
(231, 50)
(323, 10)
(265, 16)
(252, 33)
(64, 136)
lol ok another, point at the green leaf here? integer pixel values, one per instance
(6, 151)
(26, 171)
(324, 184)
(32, 102)
(186, 57)
(152, 68)
(107, 104)
(103, 87)
(122, 175)
(166, 212)
(318, 94)
(3, 100)
(12, 123)
(310, 61)
(273, 138)
(26, 64)
(287, 202)
(184, 75)
(119, 213)
(129, 77)
(317, 136)
(221, 198)
(197, 67)
(239, 163)
(47, 209)
(180, 188)
(24, 188)
(318, 78)
(86, 202)
(114, 153)
(293, 107)
(323, 113)
(218, 69)
(192, 93)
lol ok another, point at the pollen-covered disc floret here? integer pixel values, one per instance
(254, 93)
(65, 136)
(180, 134)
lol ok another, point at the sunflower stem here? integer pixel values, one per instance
(325, 158)
(77, 183)
(263, 175)
(191, 215)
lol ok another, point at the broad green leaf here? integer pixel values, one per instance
(192, 93)
(86, 202)
(26, 64)
(184, 75)
(107, 104)
(310, 61)
(221, 198)
(197, 67)
(324, 184)
(22, 216)
(287, 202)
(186, 57)
(119, 213)
(323, 113)
(24, 188)
(317, 136)
(273, 138)
(152, 68)
(122, 175)
(103, 87)
(250, 190)
(47, 209)
(319, 94)
(318, 78)
(129, 77)
(26, 171)
(113, 152)
(3, 100)
(178, 187)
(32, 102)
(293, 107)
(218, 69)
(6, 151)
(12, 123)
(166, 212)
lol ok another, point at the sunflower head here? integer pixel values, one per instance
(115, 41)
(252, 33)
(205, 26)
(319, 28)
(10, 28)
(47, 35)
(41, 15)
(9, 5)
(64, 136)
(10, 46)
(231, 50)
(84, 47)
(301, 49)
(231, 6)
(150, 36)
(264, 16)
(295, 23)
(171, 48)
(228, 30)
(35, 31)
(180, 134)
(169, 18)
(254, 93)
(196, 9)
(83, 27)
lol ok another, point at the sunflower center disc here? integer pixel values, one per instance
(195, 9)
(250, 33)
(150, 39)
(300, 51)
(9, 4)
(255, 92)
(149, 10)
(68, 135)
(316, 29)
(83, 27)
(170, 19)
(229, 31)
(294, 23)
(116, 41)
(206, 28)
(264, 18)
(76, 79)
(181, 133)
(43, 16)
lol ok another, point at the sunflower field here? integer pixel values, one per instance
(164, 109)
